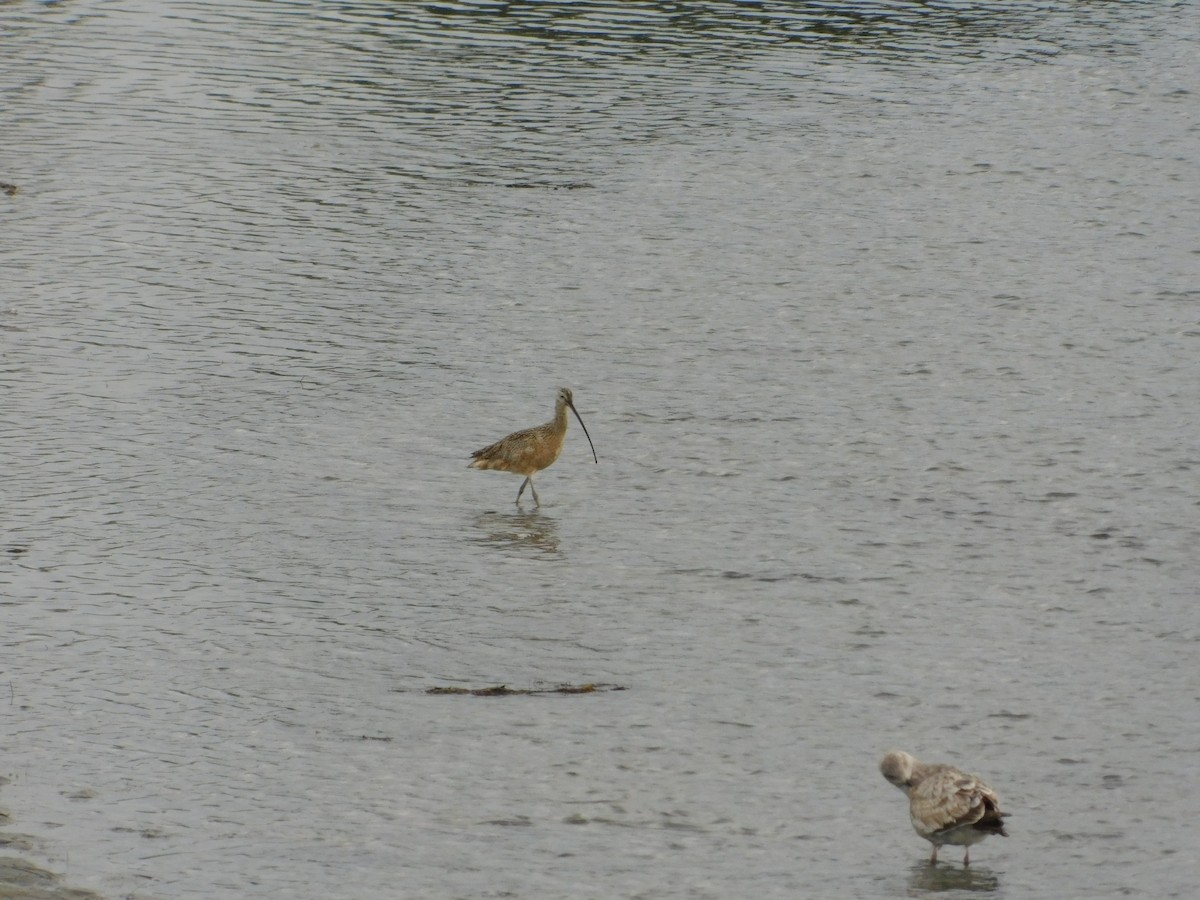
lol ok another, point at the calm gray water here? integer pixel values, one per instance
(884, 318)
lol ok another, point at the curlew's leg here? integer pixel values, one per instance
(533, 491)
(966, 857)
(933, 859)
(529, 482)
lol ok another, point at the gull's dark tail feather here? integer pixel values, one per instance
(992, 823)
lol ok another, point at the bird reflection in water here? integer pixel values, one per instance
(525, 532)
(926, 879)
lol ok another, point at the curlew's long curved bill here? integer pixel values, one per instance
(585, 431)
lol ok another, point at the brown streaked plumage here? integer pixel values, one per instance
(528, 452)
(945, 804)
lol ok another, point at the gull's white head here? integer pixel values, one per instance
(897, 767)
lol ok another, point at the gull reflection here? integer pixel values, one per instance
(925, 878)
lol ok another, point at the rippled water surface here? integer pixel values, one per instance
(884, 319)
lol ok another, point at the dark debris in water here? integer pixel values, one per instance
(552, 186)
(7, 188)
(515, 821)
(22, 879)
(504, 690)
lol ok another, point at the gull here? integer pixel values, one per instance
(946, 805)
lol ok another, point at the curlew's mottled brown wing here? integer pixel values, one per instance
(505, 445)
(523, 452)
(947, 799)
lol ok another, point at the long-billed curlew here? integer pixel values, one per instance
(946, 805)
(528, 452)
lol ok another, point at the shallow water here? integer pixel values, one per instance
(883, 318)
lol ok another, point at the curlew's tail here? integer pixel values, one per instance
(487, 458)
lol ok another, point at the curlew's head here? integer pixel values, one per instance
(566, 398)
(898, 767)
